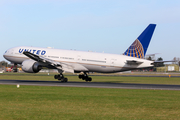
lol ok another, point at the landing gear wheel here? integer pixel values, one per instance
(60, 77)
(81, 76)
(64, 80)
(85, 77)
(88, 79)
(55, 76)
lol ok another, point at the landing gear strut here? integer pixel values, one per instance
(60, 77)
(14, 68)
(85, 77)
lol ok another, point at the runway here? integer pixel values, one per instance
(91, 84)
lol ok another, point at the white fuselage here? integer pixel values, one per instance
(94, 62)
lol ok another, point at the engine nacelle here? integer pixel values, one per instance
(31, 66)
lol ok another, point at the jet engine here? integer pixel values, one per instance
(31, 66)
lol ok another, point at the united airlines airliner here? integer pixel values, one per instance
(33, 59)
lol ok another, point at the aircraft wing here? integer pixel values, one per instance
(61, 66)
(133, 62)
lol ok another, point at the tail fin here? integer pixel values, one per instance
(139, 47)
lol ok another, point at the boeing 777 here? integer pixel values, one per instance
(33, 59)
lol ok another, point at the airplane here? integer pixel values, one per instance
(33, 59)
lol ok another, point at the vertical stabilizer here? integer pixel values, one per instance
(139, 47)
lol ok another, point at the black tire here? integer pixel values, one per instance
(65, 79)
(62, 80)
(84, 77)
(80, 76)
(89, 79)
(55, 76)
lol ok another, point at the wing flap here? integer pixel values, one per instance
(66, 68)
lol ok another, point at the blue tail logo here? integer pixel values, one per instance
(139, 47)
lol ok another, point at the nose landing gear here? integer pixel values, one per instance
(14, 68)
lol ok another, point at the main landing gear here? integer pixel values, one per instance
(60, 77)
(85, 77)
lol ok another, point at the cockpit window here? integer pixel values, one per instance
(5, 51)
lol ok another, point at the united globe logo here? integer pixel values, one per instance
(135, 50)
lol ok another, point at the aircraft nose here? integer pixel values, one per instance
(5, 55)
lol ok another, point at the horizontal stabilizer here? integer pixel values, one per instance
(133, 62)
(165, 61)
(152, 54)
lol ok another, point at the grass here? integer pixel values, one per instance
(114, 79)
(40, 102)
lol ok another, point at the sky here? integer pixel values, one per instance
(108, 26)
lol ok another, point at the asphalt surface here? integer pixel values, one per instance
(92, 84)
